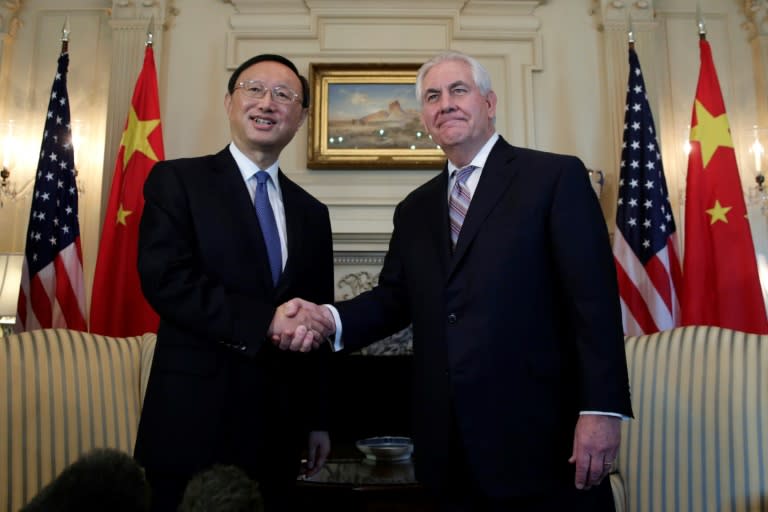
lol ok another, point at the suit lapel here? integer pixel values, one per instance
(436, 218)
(496, 178)
(294, 227)
(232, 181)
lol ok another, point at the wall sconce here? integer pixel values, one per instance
(687, 141)
(11, 146)
(759, 194)
(757, 150)
(76, 127)
(10, 280)
(7, 187)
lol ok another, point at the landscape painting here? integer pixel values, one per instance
(363, 116)
(367, 116)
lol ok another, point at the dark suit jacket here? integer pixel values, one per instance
(515, 332)
(204, 268)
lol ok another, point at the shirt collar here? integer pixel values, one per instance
(248, 169)
(481, 156)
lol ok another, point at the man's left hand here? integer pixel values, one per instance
(595, 446)
(318, 450)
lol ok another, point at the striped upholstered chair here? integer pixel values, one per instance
(63, 393)
(699, 440)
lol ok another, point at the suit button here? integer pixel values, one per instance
(452, 318)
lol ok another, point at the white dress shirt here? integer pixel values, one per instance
(248, 170)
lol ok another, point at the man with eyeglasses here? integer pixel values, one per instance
(224, 240)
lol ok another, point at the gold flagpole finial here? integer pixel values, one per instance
(630, 32)
(150, 29)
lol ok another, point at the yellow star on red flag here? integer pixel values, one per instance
(711, 132)
(718, 213)
(118, 306)
(721, 283)
(122, 214)
(135, 137)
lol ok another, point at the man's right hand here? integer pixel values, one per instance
(300, 325)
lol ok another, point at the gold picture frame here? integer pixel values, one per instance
(365, 116)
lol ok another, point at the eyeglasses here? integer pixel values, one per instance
(258, 89)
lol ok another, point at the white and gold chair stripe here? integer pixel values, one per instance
(64, 393)
(699, 440)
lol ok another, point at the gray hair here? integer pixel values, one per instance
(479, 73)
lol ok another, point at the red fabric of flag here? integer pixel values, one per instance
(52, 292)
(118, 307)
(721, 286)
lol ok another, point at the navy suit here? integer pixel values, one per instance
(514, 332)
(218, 391)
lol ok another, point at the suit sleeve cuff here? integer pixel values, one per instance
(335, 342)
(603, 413)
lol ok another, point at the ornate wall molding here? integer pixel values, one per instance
(614, 14)
(161, 10)
(358, 258)
(9, 17)
(756, 17)
(355, 283)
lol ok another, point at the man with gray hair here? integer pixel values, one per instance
(502, 263)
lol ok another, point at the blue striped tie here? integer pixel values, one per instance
(268, 226)
(459, 201)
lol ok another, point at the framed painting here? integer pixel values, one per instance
(365, 116)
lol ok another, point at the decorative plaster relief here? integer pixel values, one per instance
(160, 10)
(756, 14)
(612, 14)
(9, 19)
(351, 284)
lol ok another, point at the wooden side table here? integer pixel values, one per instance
(359, 485)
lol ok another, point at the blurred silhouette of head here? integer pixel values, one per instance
(103, 479)
(222, 489)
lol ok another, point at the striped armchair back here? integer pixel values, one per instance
(62, 394)
(699, 440)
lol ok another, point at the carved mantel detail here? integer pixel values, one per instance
(161, 10)
(756, 17)
(400, 343)
(9, 17)
(615, 14)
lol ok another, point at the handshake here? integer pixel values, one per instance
(299, 325)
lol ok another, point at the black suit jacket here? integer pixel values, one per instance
(515, 331)
(218, 390)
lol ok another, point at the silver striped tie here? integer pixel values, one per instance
(459, 201)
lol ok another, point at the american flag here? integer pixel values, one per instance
(52, 290)
(645, 240)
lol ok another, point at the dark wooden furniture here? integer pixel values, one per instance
(370, 396)
(358, 485)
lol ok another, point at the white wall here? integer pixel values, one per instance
(559, 67)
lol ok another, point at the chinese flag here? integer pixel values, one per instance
(118, 307)
(720, 281)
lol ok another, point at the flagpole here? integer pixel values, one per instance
(647, 262)
(700, 23)
(150, 29)
(65, 36)
(118, 307)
